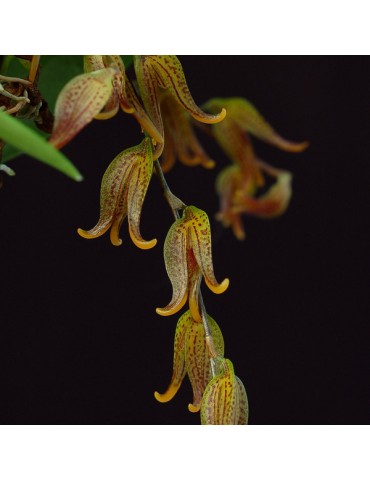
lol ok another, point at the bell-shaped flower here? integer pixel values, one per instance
(188, 258)
(155, 72)
(191, 357)
(181, 141)
(122, 194)
(93, 94)
(224, 400)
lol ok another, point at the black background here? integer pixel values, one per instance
(80, 342)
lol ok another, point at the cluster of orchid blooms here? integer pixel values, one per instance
(163, 106)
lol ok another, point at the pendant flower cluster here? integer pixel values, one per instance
(167, 113)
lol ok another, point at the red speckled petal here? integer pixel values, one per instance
(178, 359)
(200, 238)
(138, 186)
(79, 102)
(198, 365)
(113, 192)
(176, 265)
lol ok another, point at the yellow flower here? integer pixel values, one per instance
(122, 194)
(188, 257)
(238, 186)
(181, 141)
(191, 357)
(224, 400)
(155, 72)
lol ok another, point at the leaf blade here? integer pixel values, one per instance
(18, 135)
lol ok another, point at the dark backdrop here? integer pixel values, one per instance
(80, 339)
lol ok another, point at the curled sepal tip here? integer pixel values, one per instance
(224, 400)
(179, 369)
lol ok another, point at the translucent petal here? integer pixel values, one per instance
(247, 117)
(112, 195)
(138, 186)
(200, 238)
(197, 360)
(272, 204)
(79, 102)
(237, 145)
(176, 265)
(179, 369)
(224, 400)
(180, 136)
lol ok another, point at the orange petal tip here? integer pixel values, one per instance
(84, 233)
(219, 288)
(143, 244)
(167, 395)
(193, 408)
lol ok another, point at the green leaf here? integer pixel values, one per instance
(17, 134)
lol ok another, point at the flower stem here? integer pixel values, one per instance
(174, 202)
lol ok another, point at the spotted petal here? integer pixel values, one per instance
(200, 238)
(139, 182)
(79, 102)
(179, 369)
(197, 359)
(113, 191)
(175, 258)
(165, 71)
(224, 400)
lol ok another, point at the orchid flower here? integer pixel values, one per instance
(224, 400)
(191, 357)
(122, 194)
(188, 258)
(238, 186)
(156, 72)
